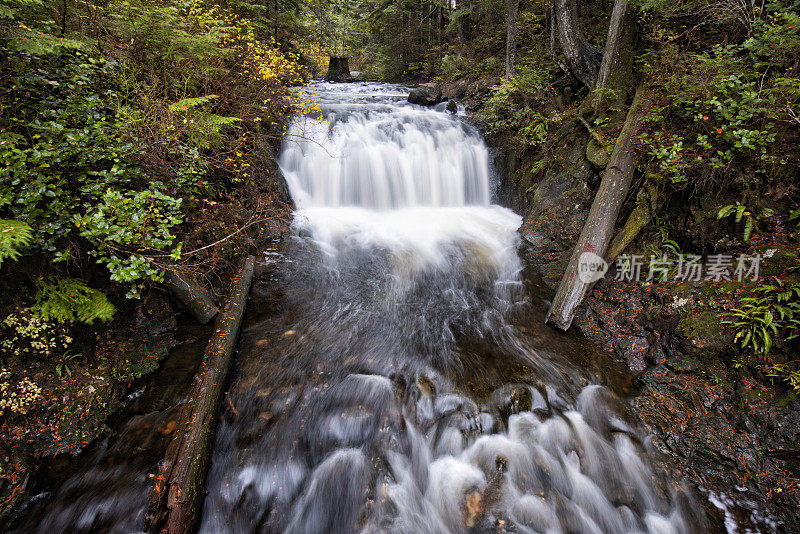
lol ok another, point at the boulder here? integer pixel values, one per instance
(427, 94)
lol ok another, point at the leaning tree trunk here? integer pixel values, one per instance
(615, 76)
(338, 69)
(511, 37)
(599, 226)
(583, 59)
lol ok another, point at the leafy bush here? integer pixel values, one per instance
(759, 320)
(515, 106)
(17, 396)
(726, 127)
(73, 174)
(26, 335)
(453, 66)
(112, 156)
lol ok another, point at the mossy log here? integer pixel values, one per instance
(194, 297)
(599, 226)
(648, 200)
(177, 491)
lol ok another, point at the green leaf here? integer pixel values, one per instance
(739, 212)
(748, 228)
(188, 103)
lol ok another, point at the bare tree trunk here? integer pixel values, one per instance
(178, 487)
(599, 226)
(616, 70)
(511, 37)
(583, 59)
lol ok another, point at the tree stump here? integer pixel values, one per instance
(338, 69)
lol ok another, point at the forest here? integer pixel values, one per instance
(139, 142)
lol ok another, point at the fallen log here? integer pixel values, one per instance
(599, 226)
(177, 490)
(194, 297)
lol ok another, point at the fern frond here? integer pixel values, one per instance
(70, 299)
(14, 235)
(188, 103)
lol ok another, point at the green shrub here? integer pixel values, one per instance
(26, 336)
(73, 175)
(515, 107)
(728, 125)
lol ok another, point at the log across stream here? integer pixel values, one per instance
(394, 371)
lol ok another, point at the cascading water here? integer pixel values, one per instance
(394, 373)
(383, 402)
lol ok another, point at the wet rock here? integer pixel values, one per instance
(452, 107)
(554, 400)
(446, 404)
(558, 210)
(427, 94)
(511, 399)
(633, 350)
(539, 404)
(684, 364)
(485, 423)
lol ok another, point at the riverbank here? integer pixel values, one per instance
(80, 395)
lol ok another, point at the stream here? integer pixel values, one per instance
(394, 372)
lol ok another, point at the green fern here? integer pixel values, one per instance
(13, 236)
(189, 103)
(70, 299)
(201, 128)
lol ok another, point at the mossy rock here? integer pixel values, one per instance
(706, 334)
(684, 364)
(777, 263)
(596, 154)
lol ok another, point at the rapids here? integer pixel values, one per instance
(394, 372)
(403, 281)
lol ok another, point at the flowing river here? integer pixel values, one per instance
(394, 372)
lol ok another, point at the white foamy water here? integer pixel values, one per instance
(420, 238)
(385, 157)
(379, 173)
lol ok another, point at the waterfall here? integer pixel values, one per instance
(375, 171)
(384, 158)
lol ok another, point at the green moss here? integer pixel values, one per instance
(705, 326)
(780, 260)
(596, 154)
